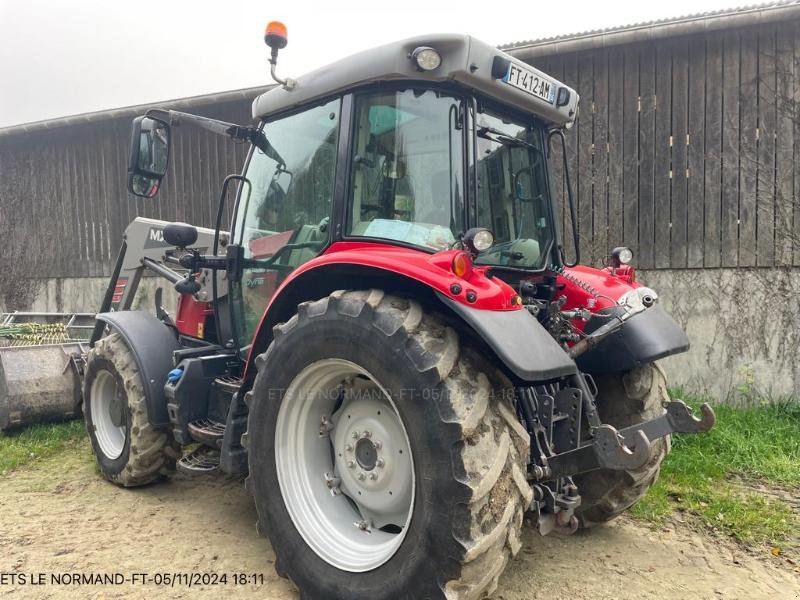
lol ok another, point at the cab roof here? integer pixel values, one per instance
(465, 60)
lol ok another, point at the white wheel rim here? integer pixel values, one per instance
(105, 398)
(352, 522)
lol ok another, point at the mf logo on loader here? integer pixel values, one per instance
(155, 238)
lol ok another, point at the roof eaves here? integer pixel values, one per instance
(130, 111)
(651, 30)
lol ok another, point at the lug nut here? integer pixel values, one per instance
(361, 476)
(355, 435)
(366, 434)
(351, 464)
(380, 462)
(333, 484)
(362, 525)
(348, 447)
(373, 476)
(325, 426)
(378, 444)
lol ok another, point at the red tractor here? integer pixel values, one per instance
(388, 341)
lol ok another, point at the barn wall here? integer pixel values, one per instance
(71, 183)
(687, 149)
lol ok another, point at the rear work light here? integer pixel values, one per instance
(477, 240)
(621, 256)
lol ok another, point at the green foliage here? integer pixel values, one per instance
(737, 477)
(19, 448)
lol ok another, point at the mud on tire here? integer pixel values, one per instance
(146, 453)
(469, 450)
(622, 400)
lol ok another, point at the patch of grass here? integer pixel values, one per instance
(19, 448)
(707, 475)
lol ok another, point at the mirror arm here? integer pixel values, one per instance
(240, 133)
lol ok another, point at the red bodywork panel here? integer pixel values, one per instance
(433, 270)
(597, 289)
(608, 285)
(191, 316)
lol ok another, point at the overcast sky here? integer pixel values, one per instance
(62, 57)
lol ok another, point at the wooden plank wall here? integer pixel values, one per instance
(72, 183)
(687, 149)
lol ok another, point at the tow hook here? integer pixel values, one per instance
(678, 418)
(629, 448)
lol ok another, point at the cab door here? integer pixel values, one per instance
(284, 209)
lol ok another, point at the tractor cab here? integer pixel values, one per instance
(413, 144)
(420, 144)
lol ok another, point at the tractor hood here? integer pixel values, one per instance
(464, 60)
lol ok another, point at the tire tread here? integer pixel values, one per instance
(152, 452)
(489, 458)
(624, 400)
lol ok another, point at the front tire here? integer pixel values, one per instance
(129, 450)
(464, 467)
(624, 399)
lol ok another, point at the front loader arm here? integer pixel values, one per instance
(143, 247)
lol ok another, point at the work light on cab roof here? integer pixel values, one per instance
(427, 59)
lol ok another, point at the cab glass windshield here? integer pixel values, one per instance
(512, 196)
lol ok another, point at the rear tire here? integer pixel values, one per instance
(467, 448)
(624, 399)
(129, 450)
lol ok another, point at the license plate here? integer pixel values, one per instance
(528, 81)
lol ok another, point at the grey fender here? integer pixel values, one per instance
(152, 344)
(646, 337)
(518, 340)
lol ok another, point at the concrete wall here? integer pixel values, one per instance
(85, 294)
(744, 324)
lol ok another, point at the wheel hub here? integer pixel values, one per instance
(372, 457)
(344, 465)
(115, 412)
(366, 454)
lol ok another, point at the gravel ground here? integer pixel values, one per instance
(59, 517)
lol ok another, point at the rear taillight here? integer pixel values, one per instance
(462, 265)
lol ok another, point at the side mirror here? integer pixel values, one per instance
(149, 156)
(281, 181)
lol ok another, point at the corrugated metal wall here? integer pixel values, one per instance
(688, 149)
(72, 179)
